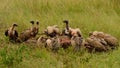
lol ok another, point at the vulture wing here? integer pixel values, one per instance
(16, 33)
(6, 32)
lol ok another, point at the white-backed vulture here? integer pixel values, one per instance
(50, 43)
(53, 43)
(75, 32)
(70, 31)
(94, 44)
(74, 35)
(52, 31)
(76, 42)
(12, 33)
(110, 40)
(29, 33)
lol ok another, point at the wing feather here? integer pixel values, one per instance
(6, 32)
(16, 33)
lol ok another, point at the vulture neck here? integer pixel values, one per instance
(12, 28)
(37, 25)
(32, 28)
(67, 26)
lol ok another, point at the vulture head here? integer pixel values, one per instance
(65, 21)
(15, 25)
(32, 22)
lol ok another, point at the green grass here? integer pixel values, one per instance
(88, 15)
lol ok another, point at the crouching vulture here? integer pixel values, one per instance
(12, 33)
(110, 40)
(106, 41)
(52, 31)
(76, 42)
(93, 44)
(75, 35)
(68, 31)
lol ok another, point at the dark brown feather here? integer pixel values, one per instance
(6, 32)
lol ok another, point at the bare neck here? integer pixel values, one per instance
(67, 26)
(32, 27)
(12, 28)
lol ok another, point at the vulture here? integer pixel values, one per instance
(76, 42)
(74, 36)
(29, 33)
(75, 32)
(68, 31)
(59, 41)
(50, 43)
(94, 44)
(52, 31)
(12, 33)
(55, 43)
(109, 39)
(101, 41)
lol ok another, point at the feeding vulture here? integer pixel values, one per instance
(29, 33)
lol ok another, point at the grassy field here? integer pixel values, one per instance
(88, 15)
